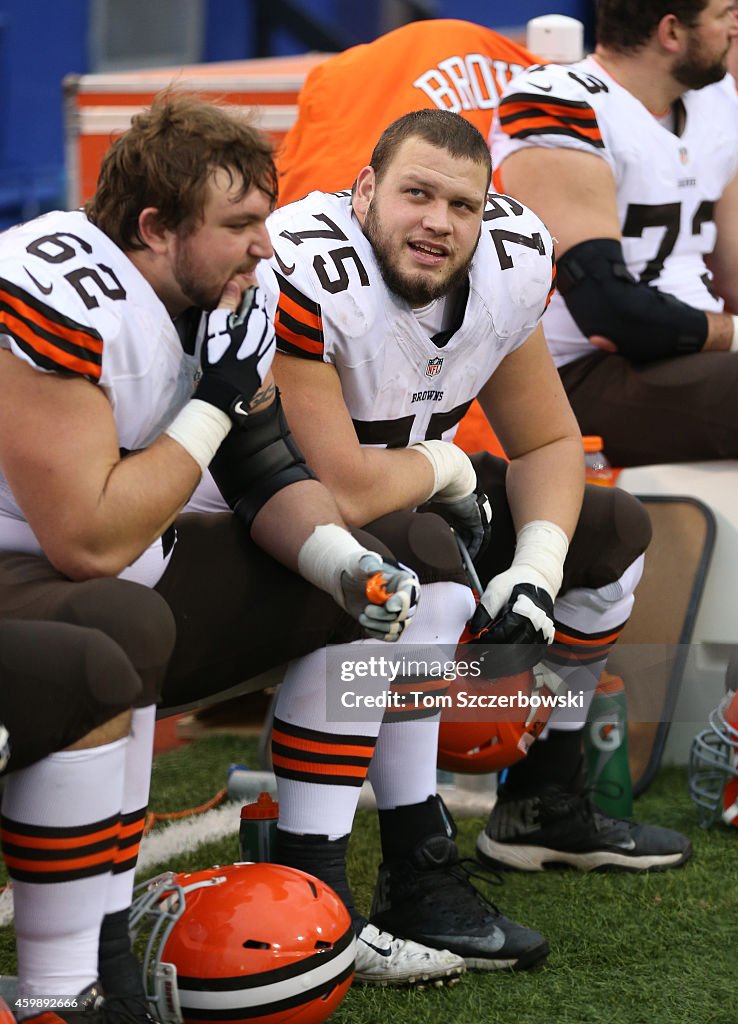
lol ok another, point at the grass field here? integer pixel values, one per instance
(626, 949)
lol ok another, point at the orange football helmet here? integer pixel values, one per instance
(488, 740)
(248, 942)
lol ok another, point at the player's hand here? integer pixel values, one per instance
(471, 518)
(237, 352)
(514, 621)
(602, 343)
(381, 595)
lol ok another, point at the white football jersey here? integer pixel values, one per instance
(667, 183)
(72, 303)
(399, 386)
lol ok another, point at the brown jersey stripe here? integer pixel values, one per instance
(311, 321)
(557, 106)
(550, 128)
(294, 325)
(286, 336)
(46, 318)
(529, 121)
(27, 319)
(307, 305)
(295, 350)
(47, 353)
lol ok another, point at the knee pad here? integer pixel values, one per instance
(614, 528)
(64, 681)
(423, 541)
(135, 617)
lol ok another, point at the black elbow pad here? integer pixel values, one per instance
(257, 460)
(604, 298)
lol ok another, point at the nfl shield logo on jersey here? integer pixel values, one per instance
(434, 366)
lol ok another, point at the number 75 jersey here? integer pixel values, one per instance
(667, 182)
(333, 305)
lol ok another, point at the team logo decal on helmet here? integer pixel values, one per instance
(247, 942)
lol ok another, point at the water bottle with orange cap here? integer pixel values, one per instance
(596, 466)
(258, 829)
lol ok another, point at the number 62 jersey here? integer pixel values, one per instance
(667, 181)
(333, 305)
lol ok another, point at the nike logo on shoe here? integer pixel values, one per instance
(625, 844)
(381, 952)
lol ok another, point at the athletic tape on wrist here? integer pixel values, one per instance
(734, 342)
(329, 551)
(543, 546)
(200, 428)
(454, 474)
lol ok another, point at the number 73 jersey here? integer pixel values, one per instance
(333, 305)
(667, 181)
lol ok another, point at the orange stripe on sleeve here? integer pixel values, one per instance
(298, 312)
(286, 334)
(46, 348)
(78, 337)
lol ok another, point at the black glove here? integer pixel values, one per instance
(236, 355)
(516, 639)
(471, 518)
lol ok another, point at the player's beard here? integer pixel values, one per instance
(416, 289)
(693, 72)
(192, 281)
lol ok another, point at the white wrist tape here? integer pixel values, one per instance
(200, 428)
(734, 342)
(454, 474)
(329, 551)
(543, 546)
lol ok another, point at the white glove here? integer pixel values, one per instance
(381, 595)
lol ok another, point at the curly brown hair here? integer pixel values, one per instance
(166, 159)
